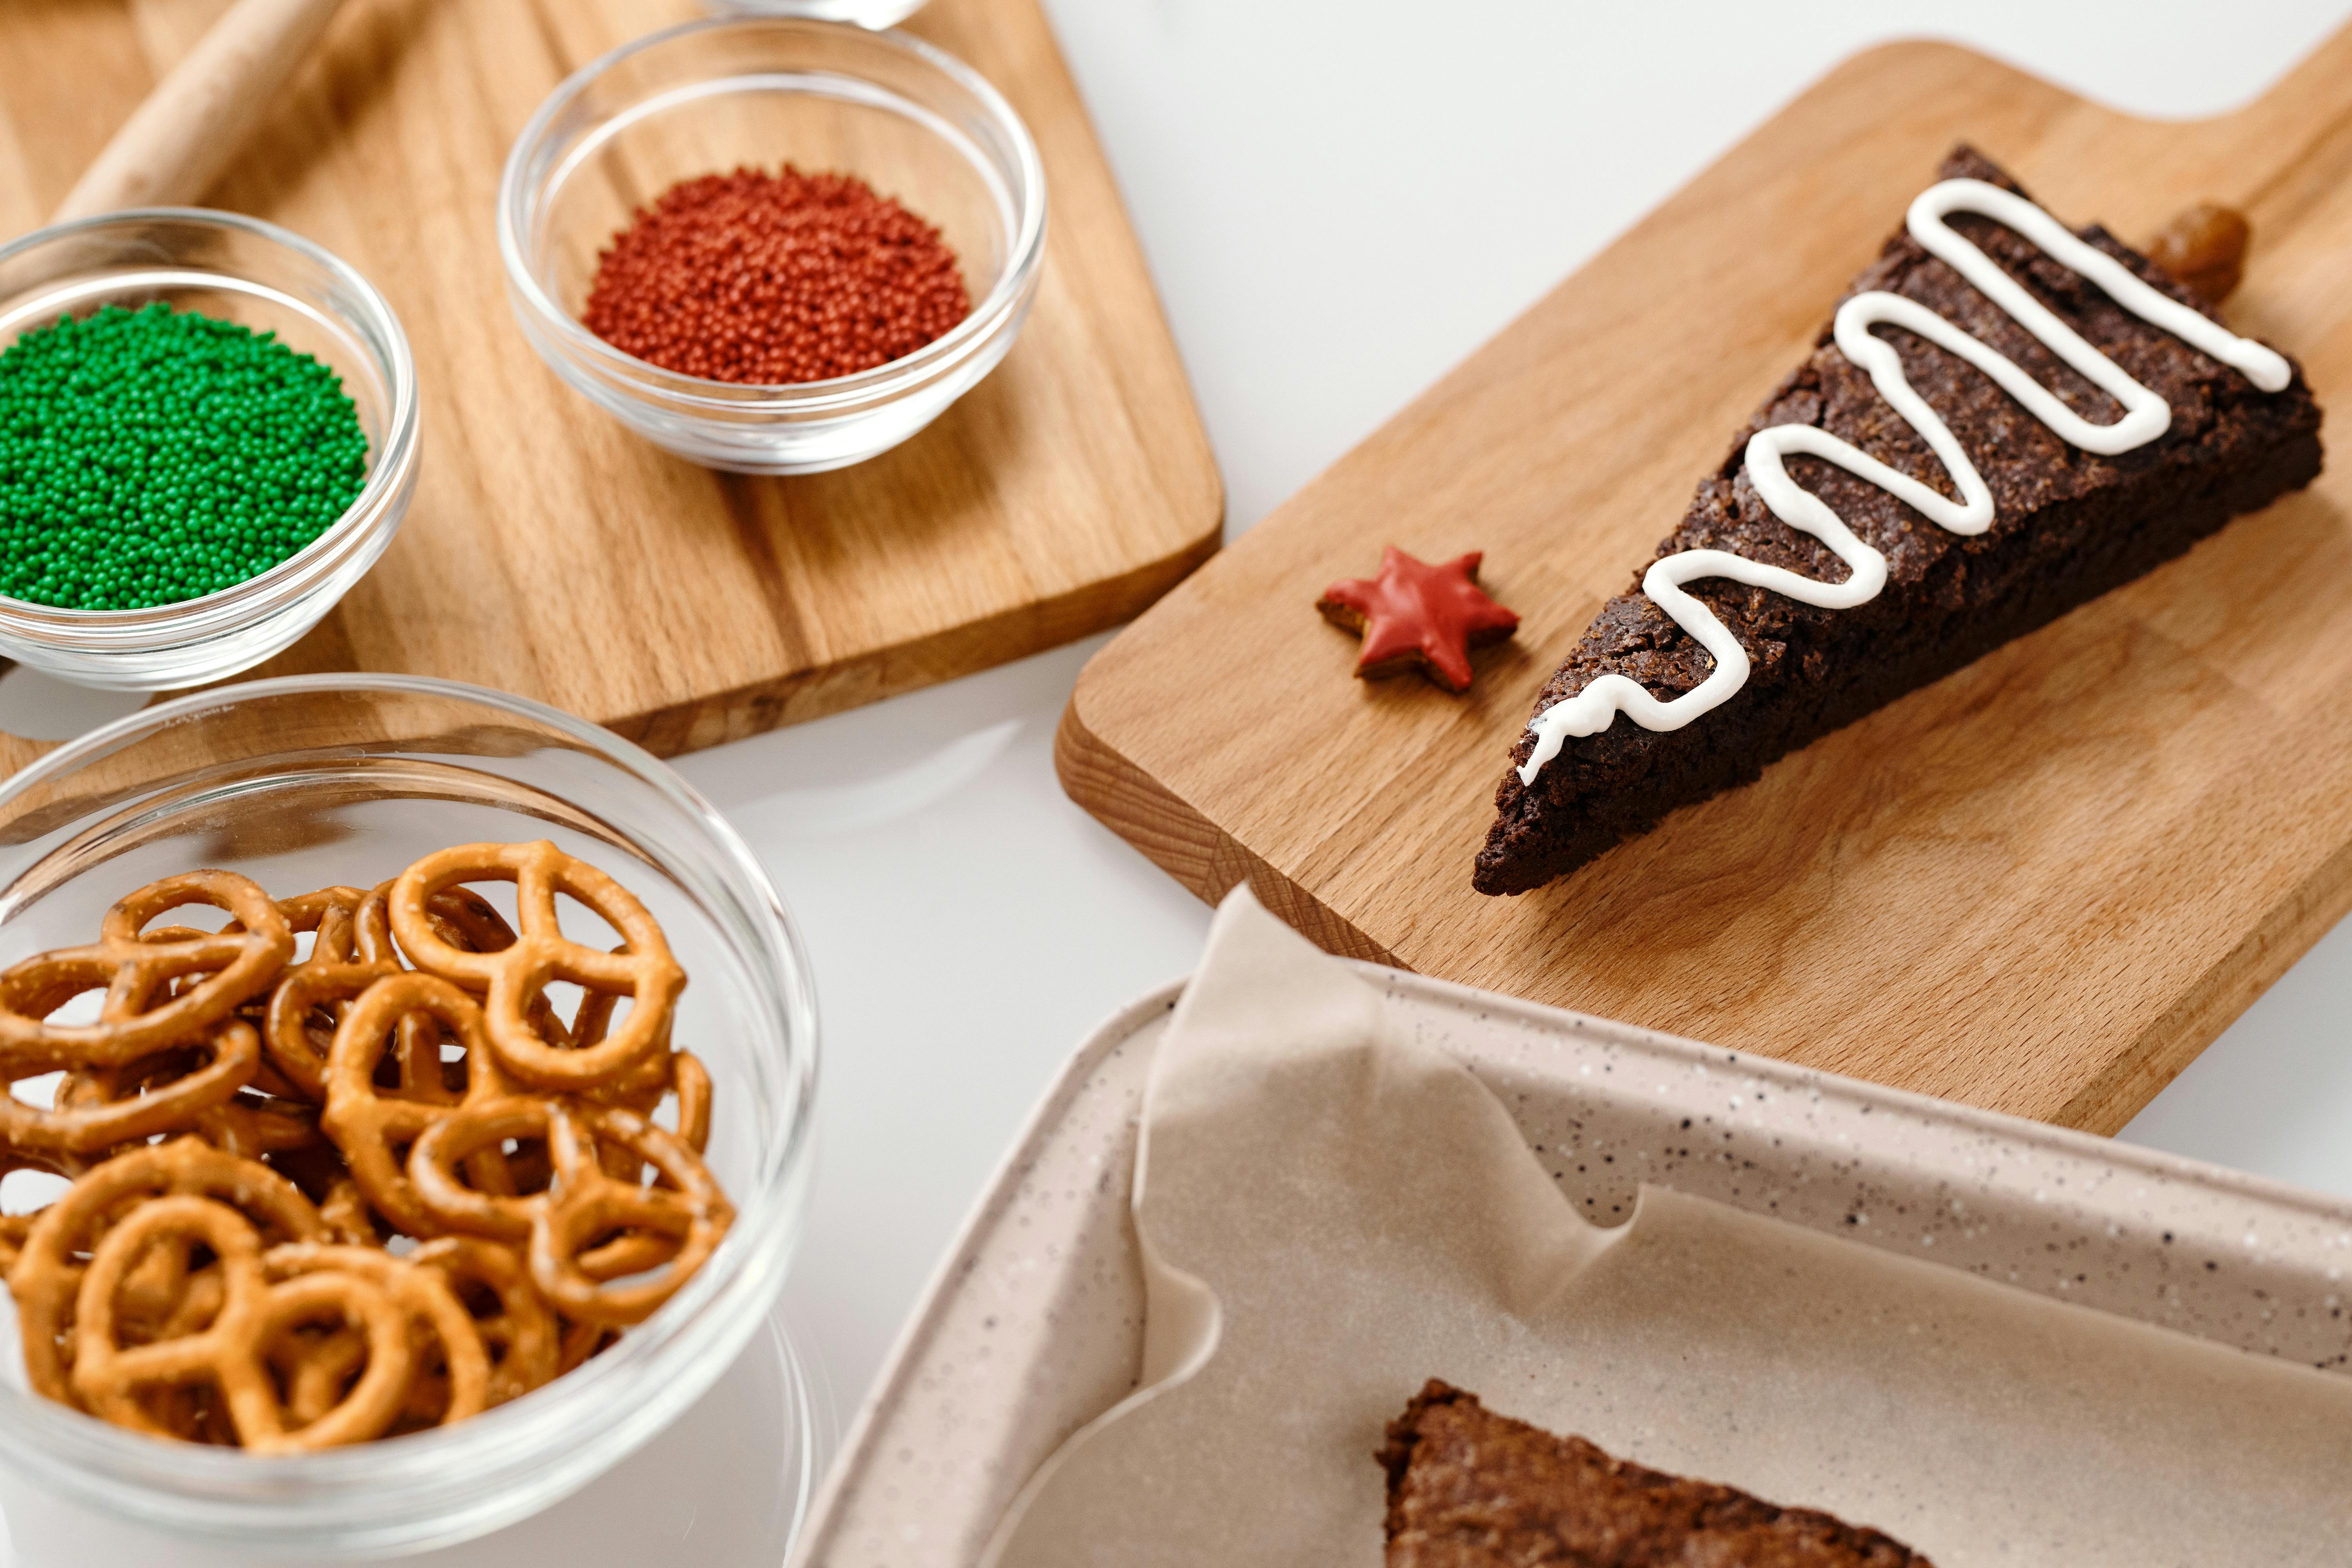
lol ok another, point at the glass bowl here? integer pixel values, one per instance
(716, 95)
(241, 269)
(864, 13)
(309, 781)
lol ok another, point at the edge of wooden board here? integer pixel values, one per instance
(956, 651)
(796, 699)
(1207, 859)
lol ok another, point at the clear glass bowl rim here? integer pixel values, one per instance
(892, 11)
(112, 1457)
(1022, 256)
(393, 457)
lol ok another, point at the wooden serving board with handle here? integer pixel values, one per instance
(552, 553)
(2041, 885)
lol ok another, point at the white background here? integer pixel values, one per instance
(1339, 199)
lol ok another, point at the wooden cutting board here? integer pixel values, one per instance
(2041, 885)
(552, 553)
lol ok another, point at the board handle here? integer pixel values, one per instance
(177, 142)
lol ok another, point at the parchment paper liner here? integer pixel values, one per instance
(1330, 1214)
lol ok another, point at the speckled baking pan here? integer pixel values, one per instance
(1035, 1325)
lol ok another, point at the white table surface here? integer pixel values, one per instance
(1339, 199)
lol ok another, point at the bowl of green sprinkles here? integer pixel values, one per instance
(207, 435)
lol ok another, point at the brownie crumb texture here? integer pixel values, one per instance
(1469, 1488)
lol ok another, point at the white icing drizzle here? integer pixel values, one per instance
(2146, 417)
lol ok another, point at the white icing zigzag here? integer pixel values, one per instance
(2146, 417)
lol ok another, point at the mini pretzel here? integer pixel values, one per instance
(346, 1213)
(235, 966)
(516, 978)
(137, 1101)
(425, 1294)
(153, 1096)
(498, 1210)
(416, 1049)
(298, 1045)
(191, 1412)
(644, 1086)
(674, 1228)
(586, 1203)
(14, 1228)
(352, 952)
(287, 1027)
(329, 912)
(582, 1343)
(521, 1333)
(48, 1272)
(466, 921)
(366, 1124)
(254, 1125)
(228, 1354)
(643, 1090)
(451, 1141)
(316, 1367)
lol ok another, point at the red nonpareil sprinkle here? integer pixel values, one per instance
(770, 279)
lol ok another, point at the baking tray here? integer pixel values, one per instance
(1033, 1325)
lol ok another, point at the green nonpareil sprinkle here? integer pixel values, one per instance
(152, 455)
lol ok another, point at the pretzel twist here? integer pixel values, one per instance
(367, 1124)
(436, 1158)
(460, 1142)
(134, 1102)
(255, 1126)
(642, 1090)
(516, 979)
(108, 1376)
(330, 913)
(349, 1219)
(48, 1273)
(232, 966)
(582, 1343)
(674, 1227)
(287, 1028)
(521, 1332)
(315, 1367)
(13, 1229)
(433, 1308)
(587, 1204)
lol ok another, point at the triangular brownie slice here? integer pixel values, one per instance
(1469, 1488)
(2062, 525)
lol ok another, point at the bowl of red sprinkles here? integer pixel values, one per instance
(773, 245)
(208, 433)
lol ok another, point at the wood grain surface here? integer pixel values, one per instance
(552, 553)
(2041, 885)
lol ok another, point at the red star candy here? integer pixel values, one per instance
(1416, 615)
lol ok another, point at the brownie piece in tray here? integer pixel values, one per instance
(1469, 1488)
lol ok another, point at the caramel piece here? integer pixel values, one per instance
(2205, 249)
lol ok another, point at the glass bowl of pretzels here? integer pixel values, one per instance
(409, 1093)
